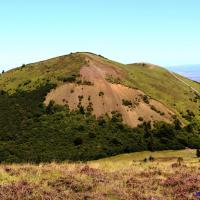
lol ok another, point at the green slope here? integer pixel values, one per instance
(33, 132)
(155, 81)
(161, 85)
(30, 76)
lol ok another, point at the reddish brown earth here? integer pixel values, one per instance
(105, 97)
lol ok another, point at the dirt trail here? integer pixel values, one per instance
(192, 88)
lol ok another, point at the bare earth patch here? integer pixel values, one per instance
(103, 97)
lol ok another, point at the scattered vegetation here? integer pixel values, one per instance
(23, 66)
(127, 103)
(141, 119)
(68, 78)
(32, 132)
(72, 91)
(101, 94)
(146, 99)
(158, 83)
(113, 79)
(85, 82)
(189, 115)
(156, 110)
(151, 158)
(53, 71)
(179, 160)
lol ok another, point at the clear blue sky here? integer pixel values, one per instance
(165, 32)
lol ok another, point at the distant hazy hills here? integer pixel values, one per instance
(190, 71)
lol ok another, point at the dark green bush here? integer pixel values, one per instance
(101, 94)
(146, 99)
(141, 119)
(198, 153)
(78, 141)
(68, 78)
(33, 132)
(126, 102)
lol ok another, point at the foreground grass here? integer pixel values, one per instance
(121, 177)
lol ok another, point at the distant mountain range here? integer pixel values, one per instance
(190, 71)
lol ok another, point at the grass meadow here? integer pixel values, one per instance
(165, 175)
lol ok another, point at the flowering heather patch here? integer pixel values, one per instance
(102, 180)
(183, 184)
(70, 183)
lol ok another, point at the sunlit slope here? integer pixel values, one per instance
(153, 80)
(99, 88)
(30, 76)
(163, 86)
(192, 83)
(100, 99)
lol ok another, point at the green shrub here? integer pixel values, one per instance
(180, 160)
(78, 141)
(126, 102)
(23, 66)
(72, 91)
(141, 119)
(198, 153)
(151, 158)
(146, 99)
(101, 94)
(145, 160)
(85, 82)
(68, 79)
(33, 132)
(26, 82)
(2, 92)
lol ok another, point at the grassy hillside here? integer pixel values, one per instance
(170, 175)
(53, 71)
(161, 85)
(194, 84)
(125, 160)
(158, 83)
(153, 80)
(31, 131)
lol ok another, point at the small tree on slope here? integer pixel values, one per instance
(198, 153)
